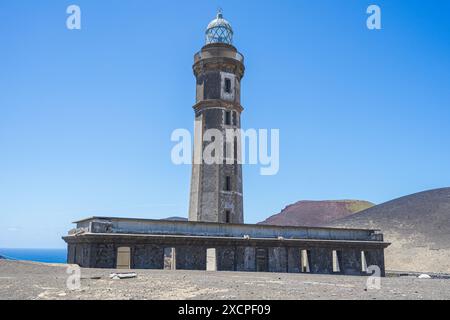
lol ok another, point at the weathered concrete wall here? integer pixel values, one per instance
(273, 251)
(82, 255)
(160, 227)
(71, 259)
(226, 260)
(278, 259)
(245, 259)
(375, 258)
(294, 260)
(215, 66)
(147, 257)
(350, 263)
(194, 201)
(190, 258)
(321, 261)
(100, 251)
(104, 255)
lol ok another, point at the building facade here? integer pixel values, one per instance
(101, 242)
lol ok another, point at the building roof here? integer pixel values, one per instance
(260, 226)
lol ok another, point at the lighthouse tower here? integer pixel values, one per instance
(216, 189)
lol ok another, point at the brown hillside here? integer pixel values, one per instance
(315, 213)
(418, 226)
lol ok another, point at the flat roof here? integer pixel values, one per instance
(132, 235)
(262, 226)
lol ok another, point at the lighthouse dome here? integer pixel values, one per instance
(219, 31)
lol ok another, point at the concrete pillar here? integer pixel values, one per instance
(294, 260)
(278, 259)
(321, 261)
(351, 262)
(376, 258)
(170, 258)
(211, 259)
(190, 258)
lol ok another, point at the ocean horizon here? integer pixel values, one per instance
(35, 255)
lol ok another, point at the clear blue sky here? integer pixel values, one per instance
(86, 116)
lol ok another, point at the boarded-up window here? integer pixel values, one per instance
(123, 258)
(261, 260)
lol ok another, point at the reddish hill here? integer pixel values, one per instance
(316, 213)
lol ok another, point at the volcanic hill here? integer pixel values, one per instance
(417, 225)
(316, 213)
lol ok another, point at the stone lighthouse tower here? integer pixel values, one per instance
(216, 188)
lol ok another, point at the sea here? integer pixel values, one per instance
(36, 255)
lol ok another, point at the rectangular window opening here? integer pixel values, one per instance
(227, 85)
(228, 183)
(227, 216)
(228, 118)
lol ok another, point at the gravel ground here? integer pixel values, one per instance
(27, 280)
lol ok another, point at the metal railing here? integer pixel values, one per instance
(204, 55)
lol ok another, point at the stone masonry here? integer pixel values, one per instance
(96, 241)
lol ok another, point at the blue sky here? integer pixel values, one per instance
(86, 116)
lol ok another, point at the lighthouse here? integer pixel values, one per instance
(216, 188)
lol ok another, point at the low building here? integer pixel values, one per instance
(100, 242)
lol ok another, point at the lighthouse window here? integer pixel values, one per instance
(235, 151)
(227, 216)
(228, 183)
(234, 118)
(227, 85)
(228, 118)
